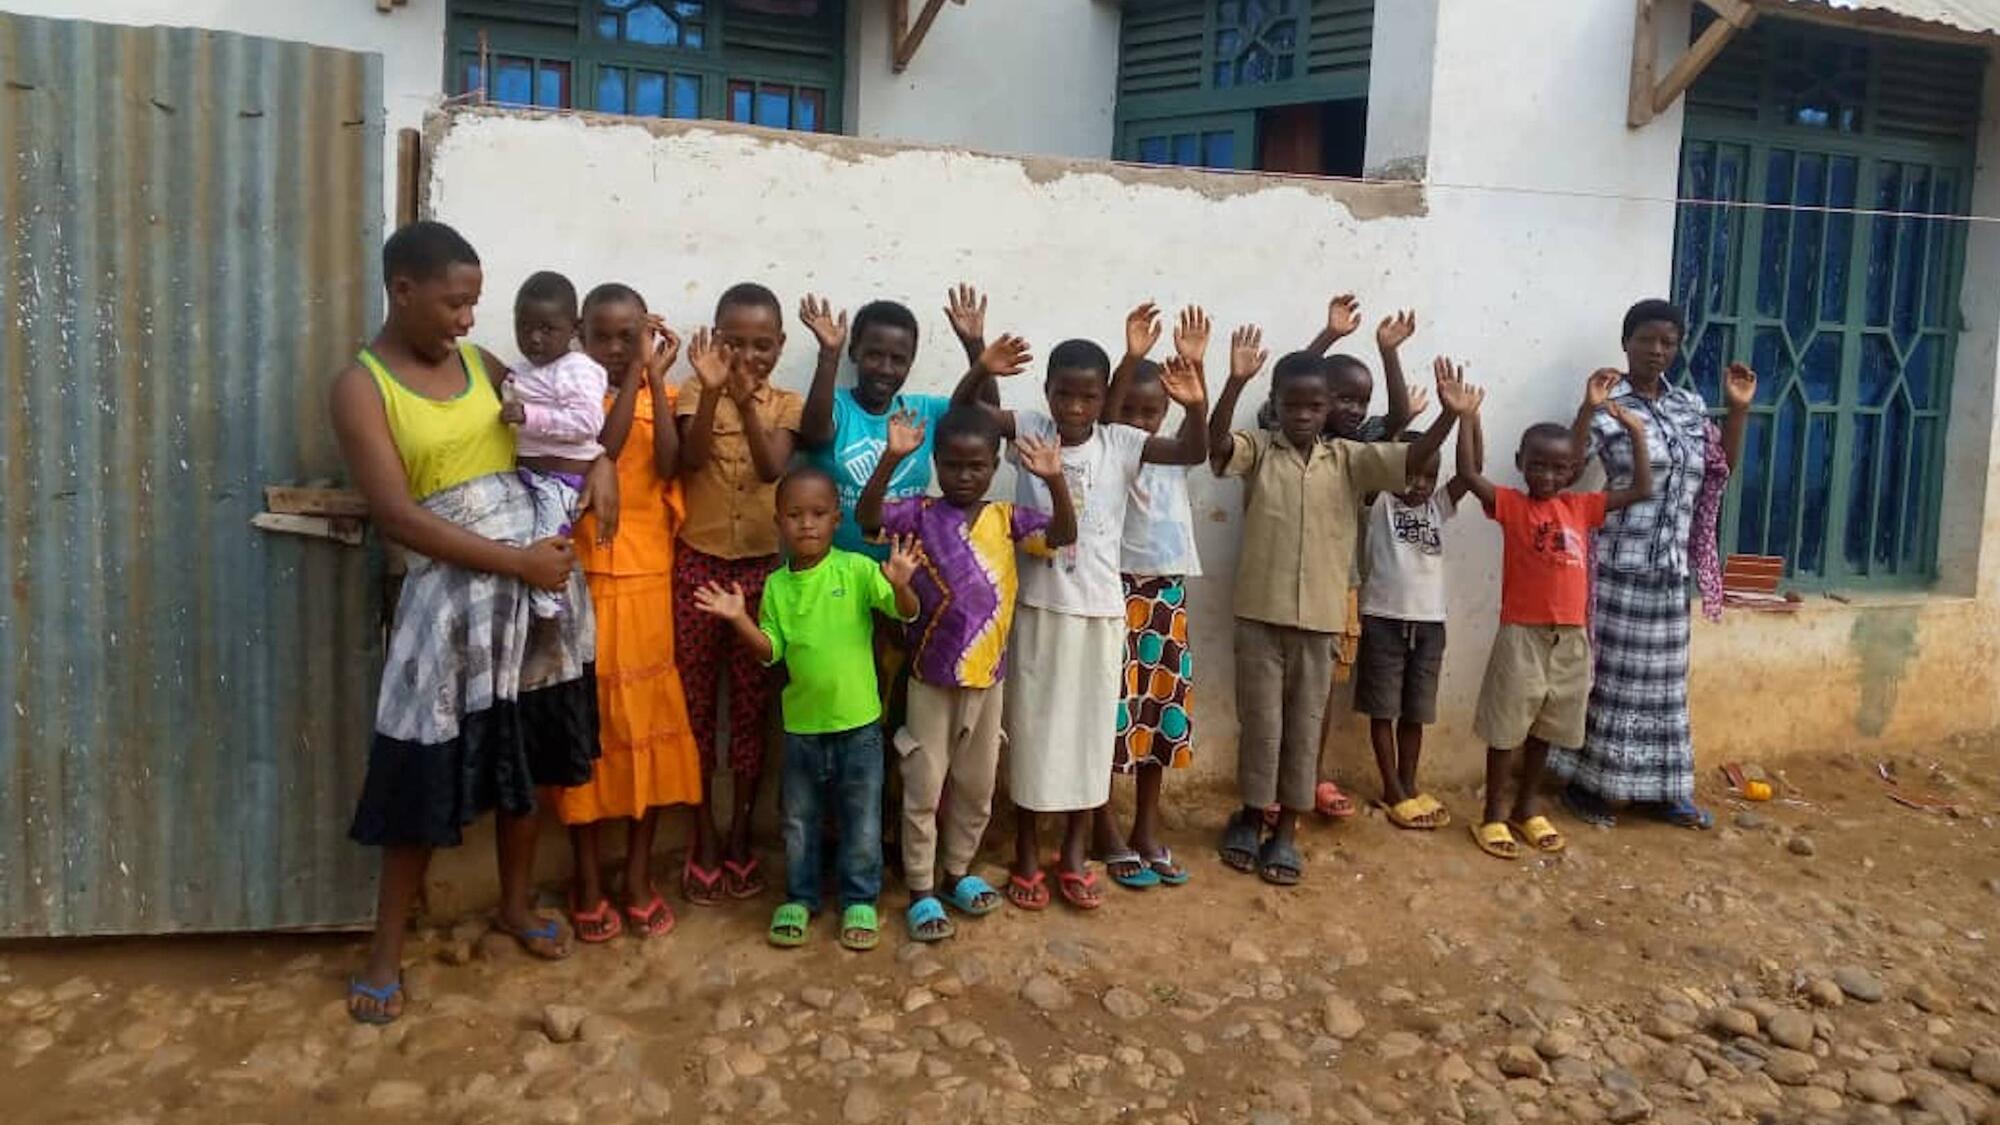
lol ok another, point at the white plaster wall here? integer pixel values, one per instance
(1019, 76)
(410, 40)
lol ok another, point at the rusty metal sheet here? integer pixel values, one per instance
(190, 222)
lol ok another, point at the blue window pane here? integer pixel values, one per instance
(1878, 369)
(1777, 228)
(1225, 74)
(687, 96)
(648, 24)
(1909, 252)
(688, 14)
(607, 27)
(1819, 368)
(805, 112)
(1860, 494)
(1889, 502)
(1153, 150)
(649, 94)
(739, 105)
(1920, 470)
(1785, 451)
(513, 82)
(1218, 150)
(1882, 244)
(619, 5)
(1920, 375)
(1756, 482)
(1187, 149)
(1819, 485)
(1802, 271)
(552, 85)
(774, 108)
(472, 78)
(611, 89)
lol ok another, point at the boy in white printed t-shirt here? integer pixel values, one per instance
(1402, 632)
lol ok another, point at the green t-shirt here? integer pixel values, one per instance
(821, 624)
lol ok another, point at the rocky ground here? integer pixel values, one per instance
(1825, 957)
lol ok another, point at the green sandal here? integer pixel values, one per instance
(860, 930)
(788, 926)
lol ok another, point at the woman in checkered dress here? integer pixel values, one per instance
(1638, 747)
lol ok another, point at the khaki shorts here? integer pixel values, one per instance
(1537, 686)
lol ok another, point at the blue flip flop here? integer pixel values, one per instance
(1139, 879)
(1685, 814)
(549, 930)
(974, 897)
(382, 995)
(928, 912)
(1170, 873)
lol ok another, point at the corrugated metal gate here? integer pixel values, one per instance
(190, 223)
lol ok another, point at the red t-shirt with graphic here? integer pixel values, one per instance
(1544, 576)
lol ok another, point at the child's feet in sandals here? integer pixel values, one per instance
(1170, 872)
(1328, 800)
(1540, 834)
(745, 878)
(789, 924)
(596, 926)
(1495, 839)
(545, 940)
(655, 919)
(1279, 863)
(973, 896)
(1029, 892)
(1130, 870)
(1422, 813)
(1239, 841)
(860, 929)
(927, 920)
(700, 885)
(1080, 889)
(367, 1003)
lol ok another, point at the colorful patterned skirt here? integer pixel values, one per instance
(1155, 723)
(1638, 745)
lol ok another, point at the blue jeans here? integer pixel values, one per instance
(845, 768)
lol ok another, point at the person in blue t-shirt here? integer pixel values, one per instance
(845, 430)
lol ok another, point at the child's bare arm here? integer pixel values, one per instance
(1390, 336)
(1453, 392)
(1044, 460)
(1343, 316)
(1471, 448)
(1641, 487)
(770, 446)
(1186, 385)
(666, 436)
(618, 420)
(816, 421)
(1008, 355)
(1246, 359)
(1142, 331)
(728, 603)
(906, 436)
(711, 359)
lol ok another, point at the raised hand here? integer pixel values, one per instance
(1246, 352)
(1191, 334)
(1597, 390)
(906, 434)
(1009, 355)
(1420, 401)
(1142, 330)
(966, 310)
(1183, 380)
(1454, 393)
(905, 555)
(1039, 456)
(817, 315)
(661, 350)
(718, 600)
(1739, 386)
(1343, 315)
(1396, 330)
(711, 359)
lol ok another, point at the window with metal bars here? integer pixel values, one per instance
(1851, 320)
(1275, 85)
(723, 59)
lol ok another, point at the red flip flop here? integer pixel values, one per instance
(1080, 891)
(655, 919)
(1328, 800)
(700, 885)
(1029, 894)
(603, 920)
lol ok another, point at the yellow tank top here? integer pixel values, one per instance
(448, 441)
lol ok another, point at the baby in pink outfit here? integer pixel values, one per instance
(555, 402)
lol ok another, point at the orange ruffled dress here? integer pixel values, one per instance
(649, 756)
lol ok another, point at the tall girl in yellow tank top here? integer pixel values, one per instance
(477, 711)
(649, 758)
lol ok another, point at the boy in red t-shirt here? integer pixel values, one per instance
(1537, 685)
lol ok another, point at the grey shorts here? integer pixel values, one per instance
(1537, 686)
(1396, 672)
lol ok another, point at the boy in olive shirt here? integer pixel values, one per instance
(818, 617)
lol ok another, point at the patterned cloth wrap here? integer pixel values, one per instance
(1704, 538)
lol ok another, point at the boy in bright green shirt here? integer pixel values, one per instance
(818, 616)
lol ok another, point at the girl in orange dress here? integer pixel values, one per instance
(649, 758)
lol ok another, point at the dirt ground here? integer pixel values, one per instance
(1829, 956)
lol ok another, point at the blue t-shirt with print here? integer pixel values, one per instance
(858, 441)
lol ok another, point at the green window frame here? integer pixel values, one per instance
(1851, 320)
(654, 58)
(1203, 68)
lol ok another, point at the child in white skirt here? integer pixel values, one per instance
(1061, 710)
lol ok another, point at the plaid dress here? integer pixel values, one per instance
(480, 703)
(1638, 745)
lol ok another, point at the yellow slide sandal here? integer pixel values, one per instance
(1495, 840)
(1540, 834)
